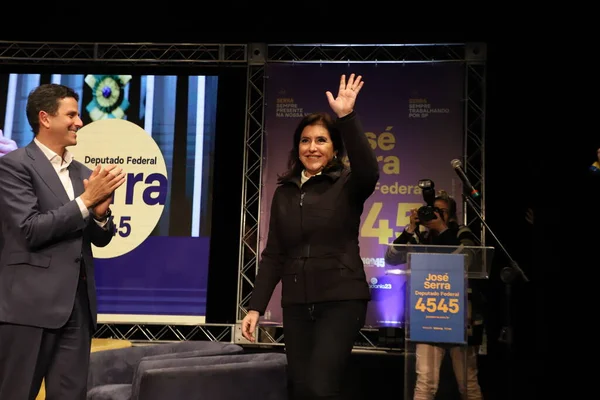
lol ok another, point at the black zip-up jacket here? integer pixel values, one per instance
(312, 244)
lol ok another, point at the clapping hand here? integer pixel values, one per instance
(100, 186)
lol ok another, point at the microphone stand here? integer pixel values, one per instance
(508, 276)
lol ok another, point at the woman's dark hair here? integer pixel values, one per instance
(295, 166)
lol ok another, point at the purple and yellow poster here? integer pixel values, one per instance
(437, 298)
(413, 117)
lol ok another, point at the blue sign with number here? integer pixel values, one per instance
(437, 299)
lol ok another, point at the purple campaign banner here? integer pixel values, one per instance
(413, 117)
(155, 278)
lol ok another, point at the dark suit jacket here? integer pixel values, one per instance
(45, 238)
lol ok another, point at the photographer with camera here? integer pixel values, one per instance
(441, 225)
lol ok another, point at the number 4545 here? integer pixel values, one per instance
(432, 305)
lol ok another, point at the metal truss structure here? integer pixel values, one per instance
(471, 55)
(118, 54)
(474, 135)
(255, 57)
(166, 333)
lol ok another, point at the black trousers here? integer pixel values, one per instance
(318, 341)
(29, 354)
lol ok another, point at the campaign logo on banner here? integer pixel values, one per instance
(437, 298)
(419, 107)
(139, 202)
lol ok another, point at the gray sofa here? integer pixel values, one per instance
(116, 375)
(226, 377)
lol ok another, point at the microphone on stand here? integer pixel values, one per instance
(457, 165)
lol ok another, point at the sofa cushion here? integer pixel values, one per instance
(110, 392)
(118, 366)
(218, 378)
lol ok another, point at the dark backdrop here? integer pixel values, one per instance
(521, 172)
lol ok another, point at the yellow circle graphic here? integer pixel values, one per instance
(138, 204)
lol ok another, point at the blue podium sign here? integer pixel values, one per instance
(437, 298)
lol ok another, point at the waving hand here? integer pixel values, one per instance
(343, 104)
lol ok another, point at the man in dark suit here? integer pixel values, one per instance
(52, 208)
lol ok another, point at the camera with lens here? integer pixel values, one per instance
(427, 212)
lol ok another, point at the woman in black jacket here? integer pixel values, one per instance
(312, 246)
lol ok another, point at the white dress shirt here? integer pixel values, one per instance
(61, 166)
